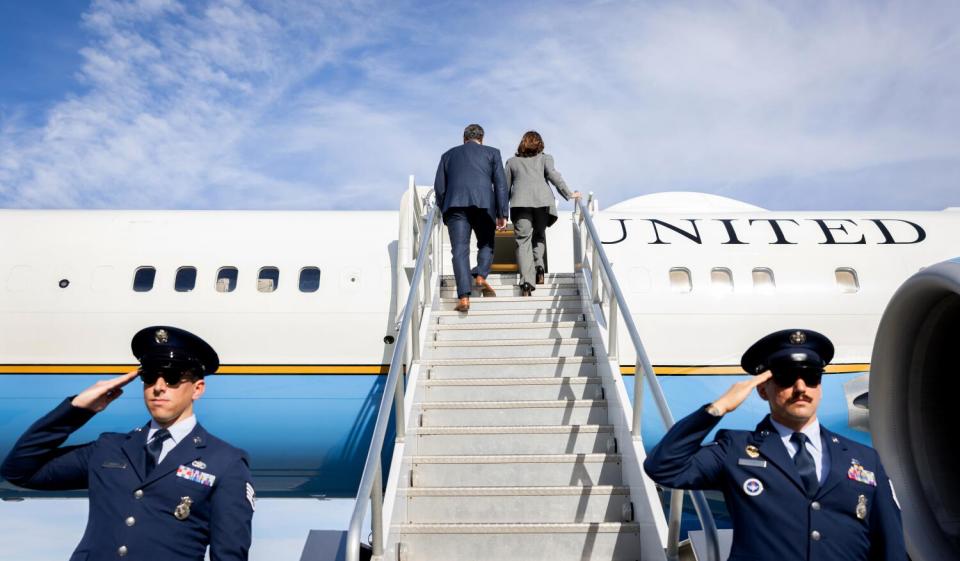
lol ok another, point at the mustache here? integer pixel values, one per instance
(800, 396)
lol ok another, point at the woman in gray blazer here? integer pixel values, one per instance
(532, 206)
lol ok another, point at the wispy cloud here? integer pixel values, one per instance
(236, 104)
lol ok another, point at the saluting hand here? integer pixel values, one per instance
(98, 396)
(739, 392)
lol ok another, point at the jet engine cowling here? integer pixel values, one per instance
(915, 407)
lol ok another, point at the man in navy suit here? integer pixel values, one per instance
(795, 490)
(161, 492)
(471, 190)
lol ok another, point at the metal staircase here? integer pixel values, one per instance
(516, 439)
(511, 454)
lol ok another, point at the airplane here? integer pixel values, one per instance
(302, 308)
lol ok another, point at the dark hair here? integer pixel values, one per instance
(473, 132)
(530, 145)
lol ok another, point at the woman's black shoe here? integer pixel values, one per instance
(526, 290)
(540, 275)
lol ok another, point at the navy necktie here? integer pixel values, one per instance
(154, 447)
(805, 465)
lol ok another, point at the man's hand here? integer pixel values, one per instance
(501, 223)
(98, 396)
(739, 392)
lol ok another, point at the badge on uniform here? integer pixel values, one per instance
(752, 487)
(862, 507)
(858, 473)
(197, 476)
(183, 509)
(198, 464)
(752, 451)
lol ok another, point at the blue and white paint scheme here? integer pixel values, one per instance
(303, 362)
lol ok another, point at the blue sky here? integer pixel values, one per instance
(330, 105)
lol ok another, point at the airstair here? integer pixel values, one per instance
(515, 435)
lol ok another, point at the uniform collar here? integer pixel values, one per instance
(178, 430)
(812, 431)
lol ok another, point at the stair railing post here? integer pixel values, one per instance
(613, 344)
(376, 513)
(595, 274)
(415, 326)
(673, 525)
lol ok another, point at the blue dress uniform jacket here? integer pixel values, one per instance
(133, 515)
(772, 516)
(471, 175)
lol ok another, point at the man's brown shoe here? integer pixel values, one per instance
(463, 305)
(540, 275)
(485, 287)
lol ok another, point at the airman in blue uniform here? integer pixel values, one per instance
(161, 492)
(795, 490)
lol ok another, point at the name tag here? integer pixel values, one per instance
(197, 476)
(114, 465)
(752, 463)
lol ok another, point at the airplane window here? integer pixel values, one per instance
(847, 280)
(680, 279)
(186, 279)
(721, 279)
(309, 279)
(763, 280)
(143, 279)
(226, 279)
(268, 279)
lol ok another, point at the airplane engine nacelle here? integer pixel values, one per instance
(915, 407)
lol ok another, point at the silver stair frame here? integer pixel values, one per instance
(609, 303)
(407, 346)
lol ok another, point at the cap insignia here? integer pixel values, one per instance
(798, 337)
(161, 336)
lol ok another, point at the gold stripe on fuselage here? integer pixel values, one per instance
(367, 369)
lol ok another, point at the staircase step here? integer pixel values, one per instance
(568, 439)
(478, 316)
(514, 291)
(547, 367)
(514, 278)
(515, 469)
(521, 542)
(479, 505)
(513, 389)
(510, 331)
(518, 348)
(513, 413)
(515, 303)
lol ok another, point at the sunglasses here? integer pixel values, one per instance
(171, 378)
(787, 378)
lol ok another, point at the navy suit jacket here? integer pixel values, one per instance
(131, 509)
(775, 519)
(472, 175)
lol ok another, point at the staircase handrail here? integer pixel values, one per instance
(644, 371)
(371, 484)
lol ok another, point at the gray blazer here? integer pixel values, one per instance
(527, 179)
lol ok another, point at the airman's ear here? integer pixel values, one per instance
(762, 390)
(198, 389)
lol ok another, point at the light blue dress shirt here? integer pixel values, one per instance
(821, 456)
(178, 431)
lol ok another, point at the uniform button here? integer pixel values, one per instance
(815, 505)
(138, 494)
(122, 551)
(130, 521)
(815, 536)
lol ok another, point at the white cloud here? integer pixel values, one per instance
(318, 105)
